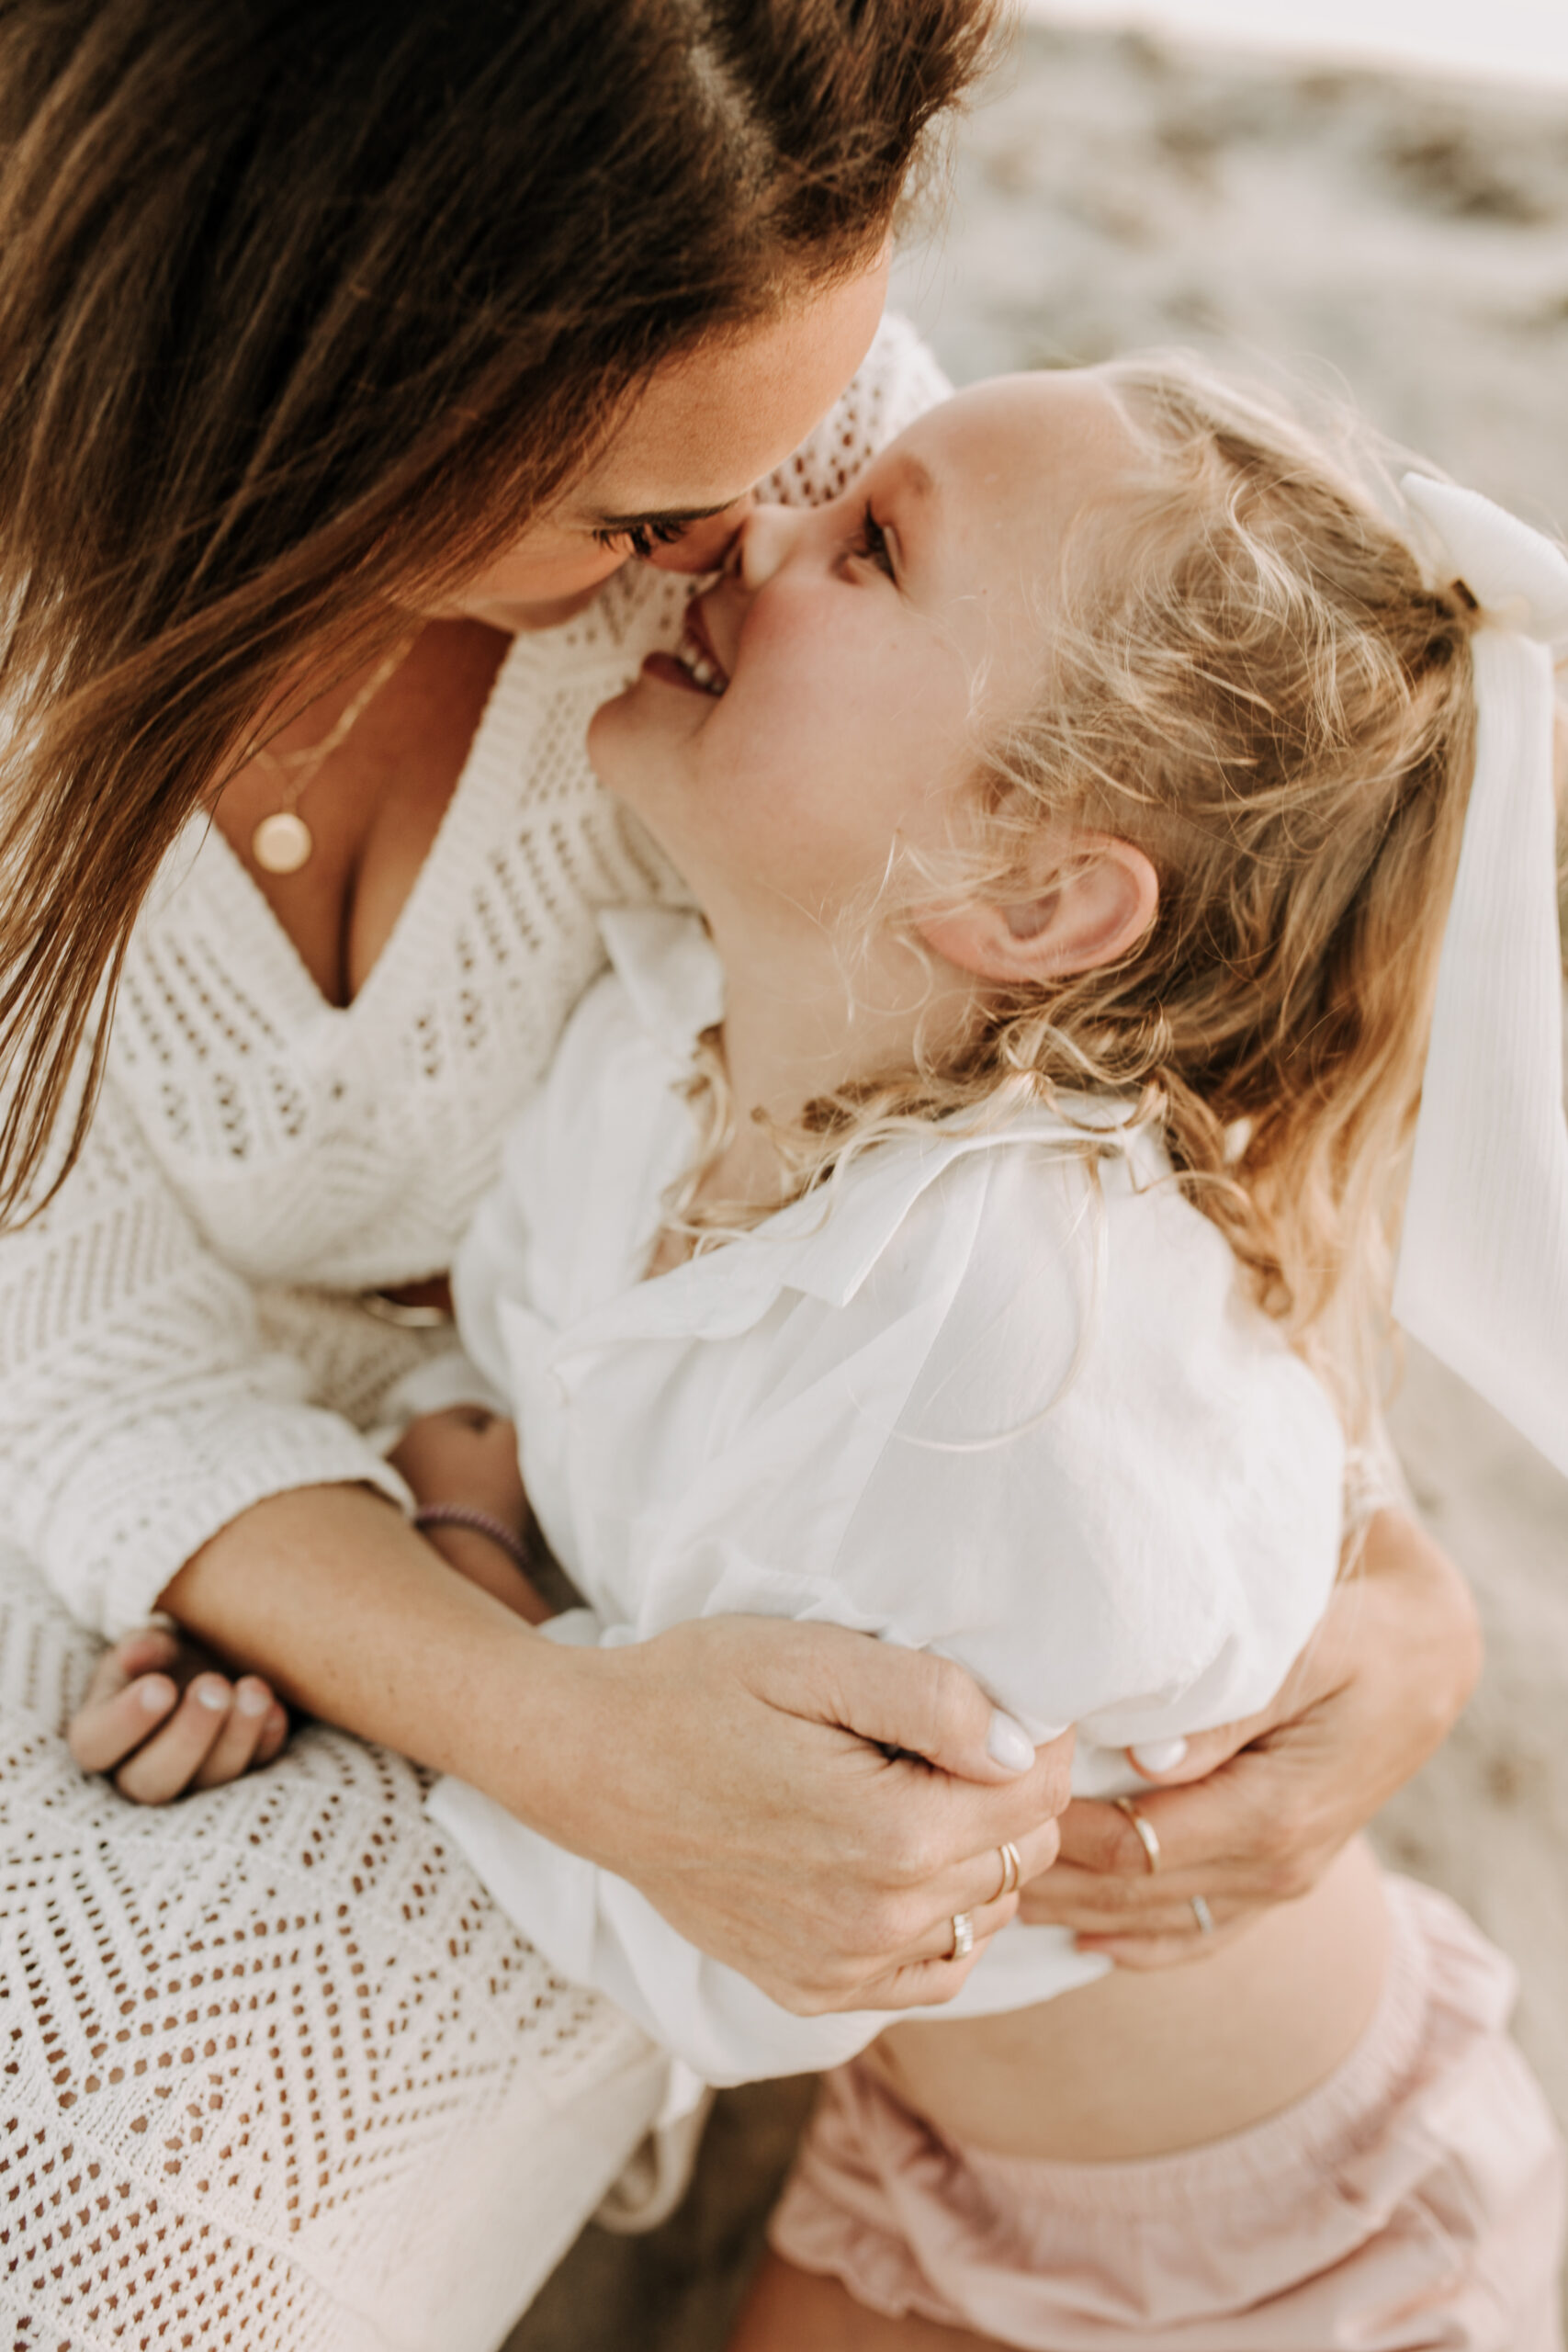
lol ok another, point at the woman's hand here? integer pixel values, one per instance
(1275, 1798)
(750, 1792)
(162, 1717)
(717, 1766)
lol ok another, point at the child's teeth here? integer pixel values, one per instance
(697, 665)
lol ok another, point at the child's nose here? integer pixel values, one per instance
(703, 547)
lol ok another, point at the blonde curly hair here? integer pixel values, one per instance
(1256, 682)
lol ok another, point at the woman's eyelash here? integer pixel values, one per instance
(872, 541)
(642, 537)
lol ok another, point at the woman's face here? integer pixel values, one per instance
(676, 481)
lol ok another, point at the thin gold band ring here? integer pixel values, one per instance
(1146, 1838)
(1012, 1869)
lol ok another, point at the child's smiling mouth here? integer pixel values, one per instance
(693, 665)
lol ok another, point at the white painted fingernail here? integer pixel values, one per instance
(1158, 1755)
(1007, 1743)
(254, 1698)
(211, 1694)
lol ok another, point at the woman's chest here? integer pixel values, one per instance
(367, 815)
(347, 1145)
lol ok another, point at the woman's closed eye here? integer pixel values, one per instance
(641, 538)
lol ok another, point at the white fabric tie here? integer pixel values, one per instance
(1483, 1277)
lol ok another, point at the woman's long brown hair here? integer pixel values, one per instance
(305, 312)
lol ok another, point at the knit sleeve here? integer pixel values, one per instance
(141, 1409)
(896, 381)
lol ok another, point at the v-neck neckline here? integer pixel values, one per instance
(317, 1006)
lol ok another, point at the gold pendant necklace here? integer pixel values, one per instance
(283, 842)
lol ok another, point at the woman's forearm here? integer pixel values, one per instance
(751, 1776)
(351, 1616)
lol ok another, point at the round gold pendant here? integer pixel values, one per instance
(282, 843)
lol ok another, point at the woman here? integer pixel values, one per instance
(336, 355)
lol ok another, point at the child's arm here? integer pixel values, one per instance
(465, 1458)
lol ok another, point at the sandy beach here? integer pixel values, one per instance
(1407, 242)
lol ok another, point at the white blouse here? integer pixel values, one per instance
(182, 1331)
(995, 1392)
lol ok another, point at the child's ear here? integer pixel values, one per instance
(1095, 909)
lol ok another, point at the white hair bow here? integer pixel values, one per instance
(1483, 1274)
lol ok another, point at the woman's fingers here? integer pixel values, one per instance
(920, 1984)
(1210, 1834)
(946, 1835)
(1096, 1907)
(974, 1889)
(1176, 1947)
(927, 1706)
(167, 1763)
(984, 1919)
(981, 1881)
(1250, 1835)
(934, 1975)
(237, 1744)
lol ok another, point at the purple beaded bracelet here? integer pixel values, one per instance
(478, 1522)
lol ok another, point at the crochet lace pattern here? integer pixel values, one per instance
(180, 1334)
(273, 2072)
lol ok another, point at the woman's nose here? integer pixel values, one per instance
(703, 547)
(771, 531)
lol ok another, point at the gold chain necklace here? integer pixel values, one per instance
(283, 842)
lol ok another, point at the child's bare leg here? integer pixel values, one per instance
(790, 2310)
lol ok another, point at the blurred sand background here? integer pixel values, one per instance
(1407, 237)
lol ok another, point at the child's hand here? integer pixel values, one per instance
(161, 1718)
(465, 1454)
(468, 1456)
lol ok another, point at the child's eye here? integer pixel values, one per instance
(871, 540)
(641, 538)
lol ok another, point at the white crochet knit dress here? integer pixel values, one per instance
(275, 2073)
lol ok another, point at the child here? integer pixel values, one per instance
(976, 1236)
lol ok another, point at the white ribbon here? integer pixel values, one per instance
(1483, 1275)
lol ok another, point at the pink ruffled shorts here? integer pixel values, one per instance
(1413, 2202)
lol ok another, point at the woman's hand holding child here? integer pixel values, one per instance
(1268, 1802)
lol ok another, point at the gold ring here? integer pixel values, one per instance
(963, 1936)
(1146, 1838)
(1012, 1869)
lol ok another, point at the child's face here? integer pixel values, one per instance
(861, 650)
